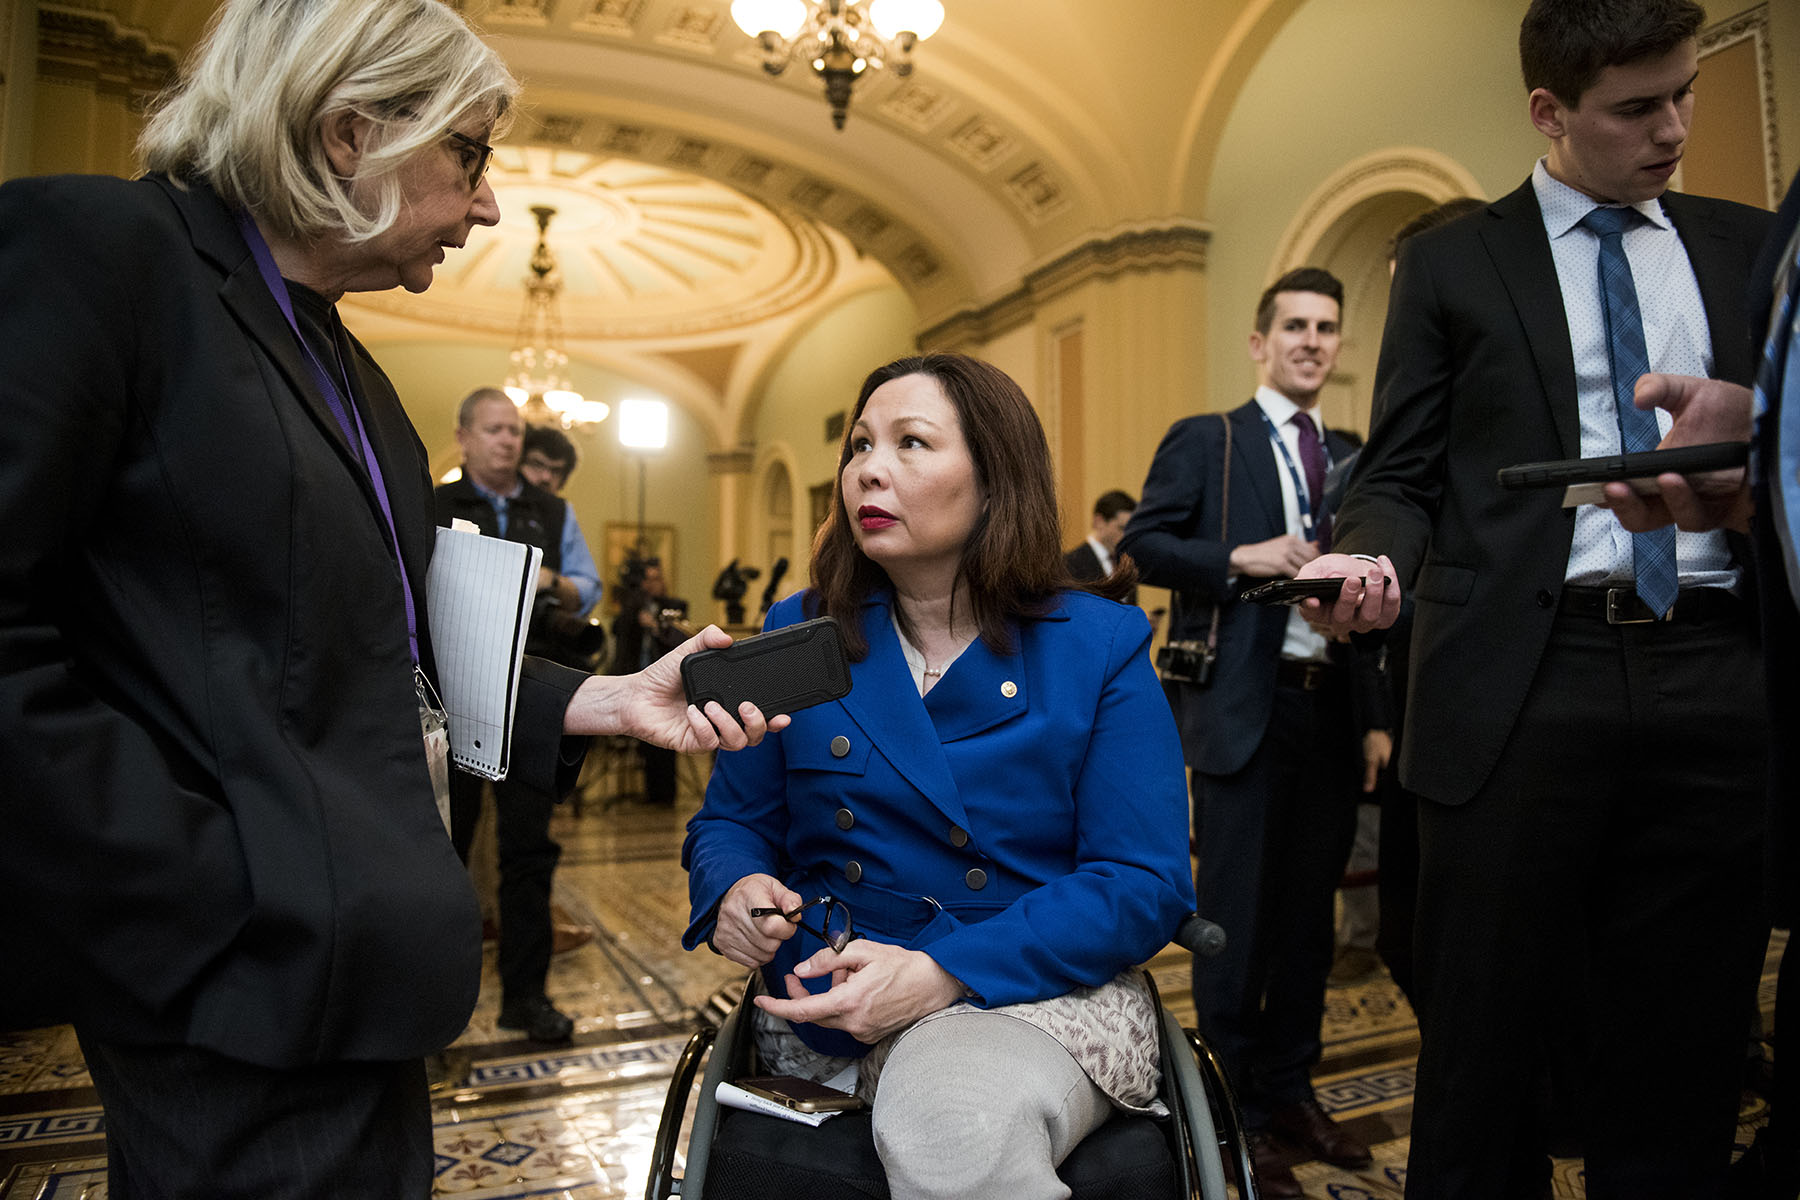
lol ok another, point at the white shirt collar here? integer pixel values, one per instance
(1564, 207)
(1281, 410)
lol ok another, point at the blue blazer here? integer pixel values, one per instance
(1025, 821)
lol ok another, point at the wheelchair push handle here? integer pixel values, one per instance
(1201, 936)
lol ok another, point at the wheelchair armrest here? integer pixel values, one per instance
(1200, 936)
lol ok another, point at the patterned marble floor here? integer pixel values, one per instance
(514, 1121)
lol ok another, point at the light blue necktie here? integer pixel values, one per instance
(1653, 553)
(1778, 376)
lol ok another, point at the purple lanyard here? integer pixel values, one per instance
(342, 407)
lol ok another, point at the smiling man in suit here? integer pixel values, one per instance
(1579, 725)
(1270, 738)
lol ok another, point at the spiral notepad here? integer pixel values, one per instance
(479, 592)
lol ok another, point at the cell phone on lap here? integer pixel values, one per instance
(801, 1095)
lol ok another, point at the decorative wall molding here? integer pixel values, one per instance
(1038, 192)
(1414, 169)
(1168, 246)
(1753, 25)
(92, 48)
(731, 462)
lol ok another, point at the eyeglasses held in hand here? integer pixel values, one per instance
(838, 931)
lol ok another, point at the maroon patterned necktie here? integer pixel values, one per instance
(1312, 463)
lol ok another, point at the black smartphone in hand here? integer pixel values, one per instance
(781, 671)
(1293, 591)
(1606, 468)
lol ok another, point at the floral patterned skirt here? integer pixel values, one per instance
(1109, 1030)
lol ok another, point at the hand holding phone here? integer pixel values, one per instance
(1293, 591)
(781, 671)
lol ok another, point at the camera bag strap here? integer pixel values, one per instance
(1212, 634)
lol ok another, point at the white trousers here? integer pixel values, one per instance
(981, 1104)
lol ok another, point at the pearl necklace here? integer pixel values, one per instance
(933, 672)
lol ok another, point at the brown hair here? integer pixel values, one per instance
(1012, 562)
(1300, 279)
(1431, 218)
(1565, 44)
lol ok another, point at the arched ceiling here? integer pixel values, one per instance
(1024, 128)
(706, 212)
(641, 251)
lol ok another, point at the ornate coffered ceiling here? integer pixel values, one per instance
(643, 250)
(1012, 144)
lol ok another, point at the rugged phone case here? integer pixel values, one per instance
(781, 671)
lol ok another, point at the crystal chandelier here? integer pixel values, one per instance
(539, 383)
(839, 39)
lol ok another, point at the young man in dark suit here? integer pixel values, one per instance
(1578, 724)
(1270, 737)
(1094, 558)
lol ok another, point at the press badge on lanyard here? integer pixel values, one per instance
(434, 725)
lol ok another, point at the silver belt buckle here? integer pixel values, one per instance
(1623, 608)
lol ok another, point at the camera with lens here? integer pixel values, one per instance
(1187, 662)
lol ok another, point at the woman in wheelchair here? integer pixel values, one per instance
(949, 876)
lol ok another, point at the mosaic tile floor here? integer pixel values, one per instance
(514, 1121)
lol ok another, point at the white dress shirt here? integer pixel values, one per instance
(1678, 341)
(1301, 640)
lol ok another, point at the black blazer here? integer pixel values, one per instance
(218, 826)
(1083, 563)
(1476, 373)
(1173, 537)
(1781, 622)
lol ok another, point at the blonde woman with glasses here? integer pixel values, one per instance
(223, 862)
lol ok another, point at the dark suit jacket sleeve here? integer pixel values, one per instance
(1781, 625)
(1394, 488)
(1173, 533)
(544, 759)
(95, 789)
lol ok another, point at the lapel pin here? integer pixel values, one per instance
(1009, 689)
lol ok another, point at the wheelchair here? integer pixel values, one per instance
(739, 1155)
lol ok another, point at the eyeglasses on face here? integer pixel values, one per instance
(838, 931)
(474, 154)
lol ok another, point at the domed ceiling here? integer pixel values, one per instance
(642, 250)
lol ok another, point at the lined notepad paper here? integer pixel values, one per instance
(480, 591)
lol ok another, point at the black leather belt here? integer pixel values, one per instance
(1307, 675)
(1621, 606)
